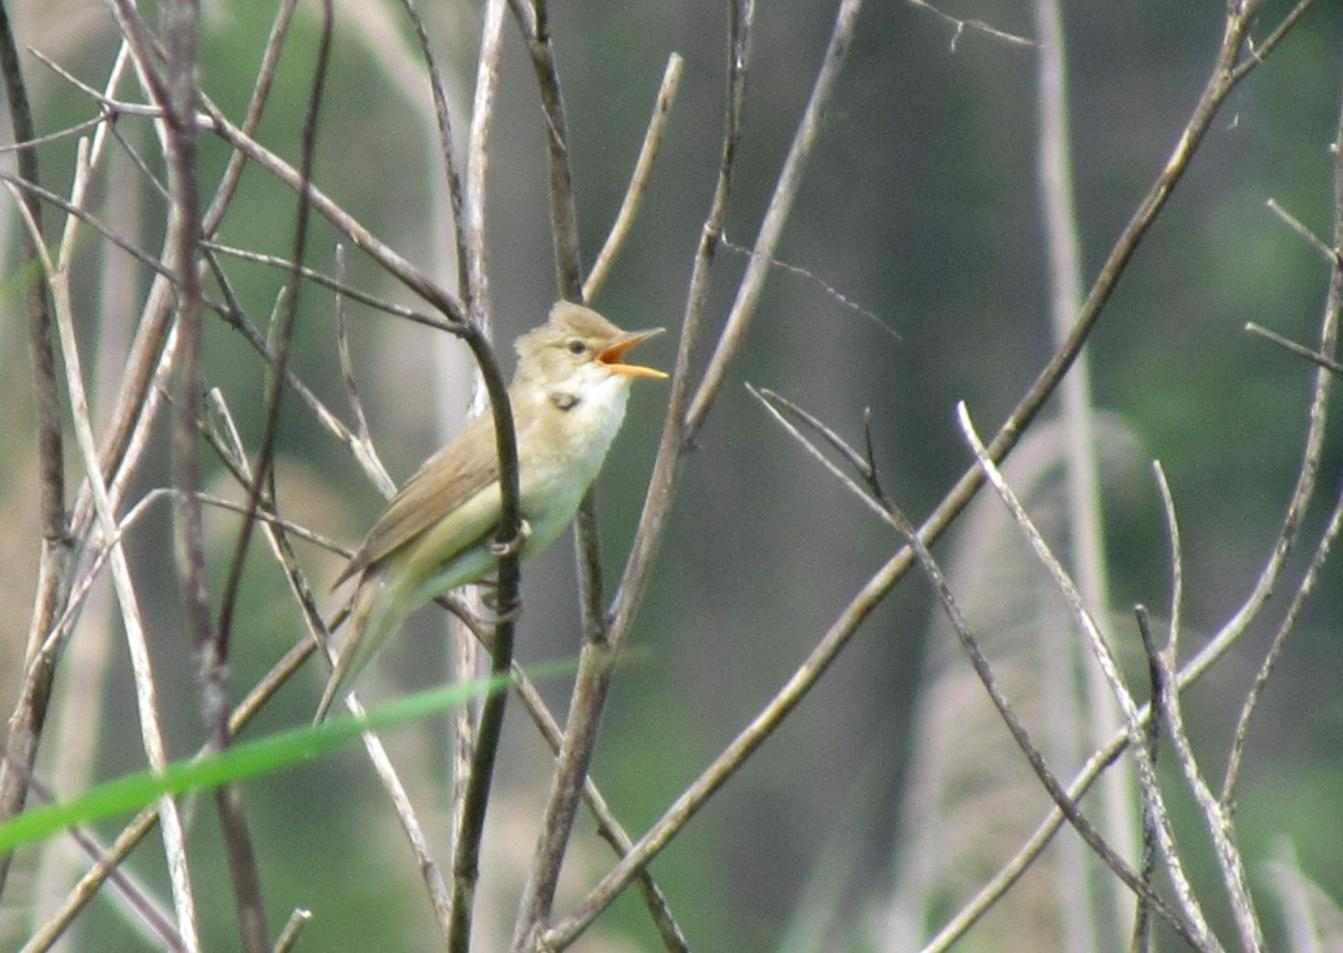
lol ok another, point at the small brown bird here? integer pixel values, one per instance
(568, 399)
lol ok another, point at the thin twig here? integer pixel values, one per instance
(1140, 940)
(1203, 937)
(289, 935)
(337, 285)
(977, 26)
(597, 658)
(643, 168)
(152, 916)
(780, 206)
(1081, 709)
(146, 694)
(179, 25)
(1192, 930)
(1303, 232)
(1315, 357)
(319, 637)
(88, 886)
(77, 129)
(347, 367)
(1090, 835)
(448, 150)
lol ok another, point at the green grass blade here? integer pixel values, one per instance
(247, 760)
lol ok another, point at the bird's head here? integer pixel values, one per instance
(579, 347)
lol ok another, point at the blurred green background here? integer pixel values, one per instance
(921, 205)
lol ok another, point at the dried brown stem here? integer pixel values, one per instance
(25, 725)
(597, 658)
(643, 168)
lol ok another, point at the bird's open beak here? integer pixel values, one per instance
(611, 356)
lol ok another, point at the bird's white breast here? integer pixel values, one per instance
(563, 457)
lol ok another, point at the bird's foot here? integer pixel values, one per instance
(508, 547)
(512, 613)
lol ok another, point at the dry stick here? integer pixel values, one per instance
(1324, 357)
(144, 822)
(362, 445)
(1217, 819)
(145, 687)
(780, 206)
(873, 498)
(78, 712)
(1194, 931)
(1141, 884)
(643, 168)
(978, 26)
(475, 746)
(608, 827)
(1303, 591)
(448, 151)
(289, 935)
(285, 334)
(75, 130)
(1328, 363)
(1141, 939)
(105, 504)
(1219, 84)
(336, 284)
(26, 724)
(533, 18)
(590, 692)
(231, 449)
(138, 406)
(1110, 667)
(1321, 247)
(474, 255)
(478, 152)
(180, 25)
(154, 918)
(1082, 711)
(46, 387)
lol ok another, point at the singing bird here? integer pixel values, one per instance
(568, 399)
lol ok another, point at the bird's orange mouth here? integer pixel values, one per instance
(611, 356)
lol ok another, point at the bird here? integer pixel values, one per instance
(568, 398)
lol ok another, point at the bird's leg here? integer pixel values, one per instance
(489, 597)
(508, 547)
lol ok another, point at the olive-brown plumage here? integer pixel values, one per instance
(568, 400)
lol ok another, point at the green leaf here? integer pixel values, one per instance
(239, 761)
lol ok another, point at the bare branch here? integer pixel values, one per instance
(643, 168)
(976, 26)
(1202, 936)
(1315, 357)
(289, 935)
(596, 661)
(146, 693)
(771, 229)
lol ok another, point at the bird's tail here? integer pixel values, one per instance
(373, 619)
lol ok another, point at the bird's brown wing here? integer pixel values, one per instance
(451, 476)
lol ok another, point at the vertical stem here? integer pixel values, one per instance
(1082, 486)
(25, 728)
(180, 33)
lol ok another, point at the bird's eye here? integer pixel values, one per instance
(577, 347)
